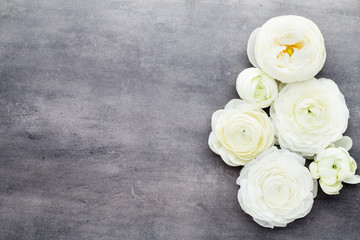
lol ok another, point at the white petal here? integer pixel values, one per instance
(214, 118)
(264, 223)
(213, 143)
(251, 47)
(228, 157)
(344, 142)
(238, 104)
(355, 179)
(314, 170)
(315, 188)
(331, 189)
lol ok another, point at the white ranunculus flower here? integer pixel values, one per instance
(255, 86)
(288, 48)
(309, 115)
(333, 166)
(276, 188)
(240, 132)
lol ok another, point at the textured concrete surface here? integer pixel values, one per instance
(105, 113)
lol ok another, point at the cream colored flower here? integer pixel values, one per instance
(255, 86)
(309, 115)
(334, 166)
(276, 188)
(288, 48)
(240, 132)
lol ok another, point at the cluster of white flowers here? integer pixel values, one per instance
(308, 117)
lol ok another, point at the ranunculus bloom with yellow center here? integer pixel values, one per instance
(240, 132)
(288, 48)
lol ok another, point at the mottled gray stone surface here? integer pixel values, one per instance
(105, 111)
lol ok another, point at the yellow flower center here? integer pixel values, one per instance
(290, 48)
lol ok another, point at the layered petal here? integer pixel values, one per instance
(288, 48)
(333, 166)
(240, 132)
(309, 116)
(255, 86)
(276, 188)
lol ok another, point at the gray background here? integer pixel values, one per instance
(105, 111)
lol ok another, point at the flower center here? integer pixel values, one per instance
(241, 133)
(260, 91)
(290, 48)
(336, 165)
(276, 190)
(309, 113)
